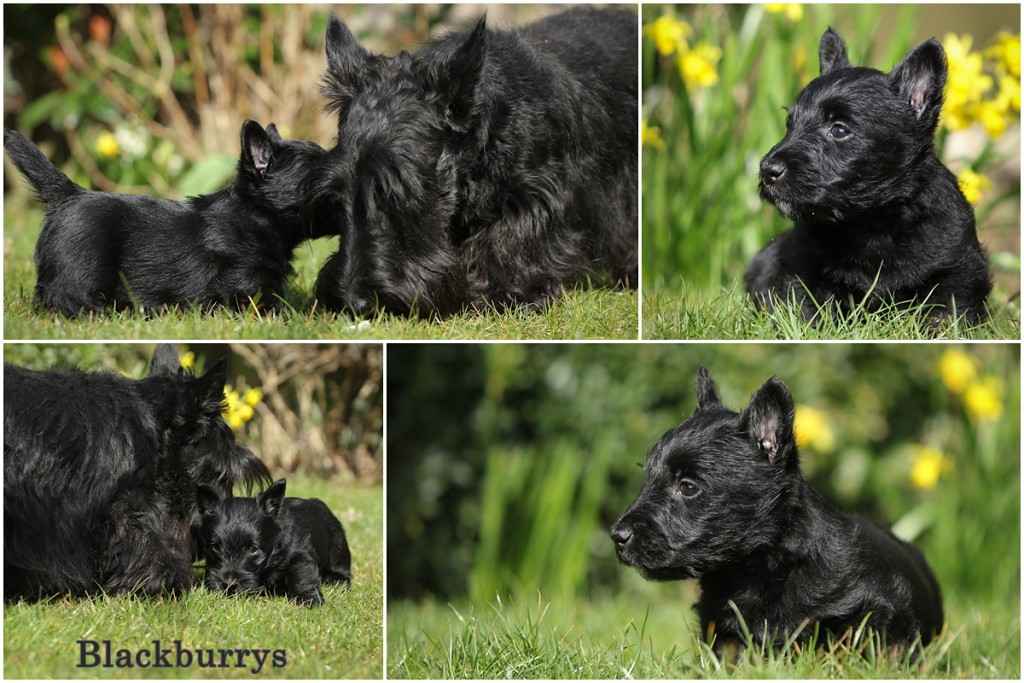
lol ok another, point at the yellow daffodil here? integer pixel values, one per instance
(983, 399)
(651, 136)
(245, 412)
(972, 185)
(239, 408)
(1006, 53)
(669, 34)
(966, 82)
(252, 396)
(106, 145)
(792, 11)
(188, 360)
(929, 464)
(697, 65)
(1009, 93)
(812, 429)
(957, 369)
(992, 115)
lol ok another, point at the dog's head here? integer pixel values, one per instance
(274, 175)
(238, 536)
(856, 136)
(392, 181)
(191, 410)
(712, 486)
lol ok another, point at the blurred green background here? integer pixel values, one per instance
(508, 463)
(715, 80)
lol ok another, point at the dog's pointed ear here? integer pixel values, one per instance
(768, 420)
(832, 52)
(209, 389)
(271, 499)
(346, 63)
(453, 77)
(208, 500)
(273, 133)
(165, 361)
(257, 149)
(707, 392)
(920, 80)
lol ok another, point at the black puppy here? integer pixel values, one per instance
(723, 501)
(858, 174)
(100, 476)
(488, 168)
(99, 249)
(287, 546)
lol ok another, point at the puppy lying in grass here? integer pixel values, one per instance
(286, 546)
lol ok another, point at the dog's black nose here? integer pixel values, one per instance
(772, 170)
(360, 306)
(621, 535)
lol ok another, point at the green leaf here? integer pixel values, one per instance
(38, 111)
(210, 174)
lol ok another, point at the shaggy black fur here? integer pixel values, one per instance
(284, 545)
(100, 476)
(488, 168)
(99, 249)
(723, 501)
(858, 174)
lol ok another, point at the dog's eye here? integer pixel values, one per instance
(839, 131)
(689, 488)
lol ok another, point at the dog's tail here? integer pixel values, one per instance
(49, 181)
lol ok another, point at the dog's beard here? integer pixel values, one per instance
(785, 208)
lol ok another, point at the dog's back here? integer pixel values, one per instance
(923, 613)
(326, 535)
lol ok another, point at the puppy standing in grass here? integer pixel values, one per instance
(100, 249)
(858, 174)
(723, 501)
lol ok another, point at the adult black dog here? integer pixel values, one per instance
(878, 218)
(101, 472)
(490, 168)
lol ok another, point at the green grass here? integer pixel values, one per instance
(685, 313)
(343, 639)
(581, 314)
(652, 639)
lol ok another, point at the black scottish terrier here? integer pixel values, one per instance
(723, 501)
(490, 168)
(287, 546)
(858, 174)
(101, 475)
(99, 249)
